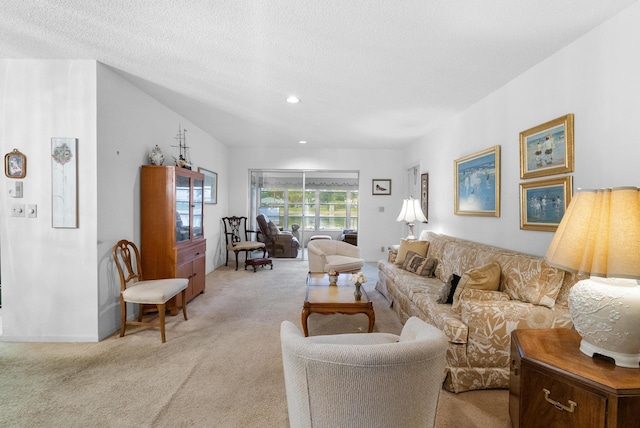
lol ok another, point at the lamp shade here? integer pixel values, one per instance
(411, 211)
(599, 235)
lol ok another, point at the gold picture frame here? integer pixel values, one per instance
(15, 164)
(547, 149)
(477, 183)
(544, 202)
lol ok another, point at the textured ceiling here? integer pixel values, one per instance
(370, 73)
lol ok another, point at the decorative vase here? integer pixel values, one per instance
(155, 156)
(358, 293)
(333, 279)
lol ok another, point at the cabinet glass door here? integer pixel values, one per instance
(183, 205)
(198, 189)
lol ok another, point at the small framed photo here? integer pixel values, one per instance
(210, 193)
(424, 194)
(477, 183)
(380, 186)
(15, 164)
(547, 149)
(543, 203)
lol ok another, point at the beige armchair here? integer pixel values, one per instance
(364, 379)
(326, 254)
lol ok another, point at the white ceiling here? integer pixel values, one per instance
(370, 73)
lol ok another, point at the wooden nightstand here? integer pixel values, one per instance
(553, 384)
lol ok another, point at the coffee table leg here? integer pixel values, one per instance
(305, 315)
(372, 319)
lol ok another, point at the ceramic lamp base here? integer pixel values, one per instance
(606, 313)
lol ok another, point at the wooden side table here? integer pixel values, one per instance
(553, 384)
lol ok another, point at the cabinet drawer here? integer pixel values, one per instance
(190, 252)
(551, 402)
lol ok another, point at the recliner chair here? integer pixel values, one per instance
(280, 244)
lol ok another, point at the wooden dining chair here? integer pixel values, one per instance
(133, 289)
(238, 238)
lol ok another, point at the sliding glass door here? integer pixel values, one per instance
(306, 203)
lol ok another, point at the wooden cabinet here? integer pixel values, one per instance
(172, 236)
(553, 384)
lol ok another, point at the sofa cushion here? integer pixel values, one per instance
(417, 264)
(486, 277)
(343, 263)
(406, 245)
(447, 292)
(532, 280)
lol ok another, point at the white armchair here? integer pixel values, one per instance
(326, 254)
(364, 379)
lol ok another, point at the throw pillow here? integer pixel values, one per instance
(485, 277)
(446, 294)
(406, 245)
(422, 266)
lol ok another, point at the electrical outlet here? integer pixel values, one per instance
(17, 210)
(382, 249)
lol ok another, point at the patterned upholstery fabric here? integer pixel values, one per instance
(531, 295)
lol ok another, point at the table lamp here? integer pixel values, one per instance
(410, 212)
(599, 235)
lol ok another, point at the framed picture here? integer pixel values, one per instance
(380, 187)
(64, 183)
(543, 203)
(210, 186)
(424, 194)
(477, 183)
(15, 164)
(547, 149)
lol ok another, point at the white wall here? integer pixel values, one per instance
(597, 79)
(60, 284)
(48, 275)
(375, 229)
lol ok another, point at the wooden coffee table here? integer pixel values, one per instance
(322, 298)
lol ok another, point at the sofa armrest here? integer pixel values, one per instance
(490, 323)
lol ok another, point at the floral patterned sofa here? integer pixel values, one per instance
(478, 325)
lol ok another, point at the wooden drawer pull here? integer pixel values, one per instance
(570, 408)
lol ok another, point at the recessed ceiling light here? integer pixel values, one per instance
(302, 142)
(292, 99)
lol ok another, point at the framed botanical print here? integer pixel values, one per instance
(477, 183)
(547, 149)
(544, 202)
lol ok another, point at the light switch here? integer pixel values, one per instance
(32, 211)
(14, 189)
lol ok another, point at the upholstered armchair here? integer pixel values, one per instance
(364, 379)
(279, 243)
(326, 255)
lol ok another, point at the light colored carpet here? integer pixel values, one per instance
(220, 368)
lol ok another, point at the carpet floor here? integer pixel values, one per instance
(221, 368)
